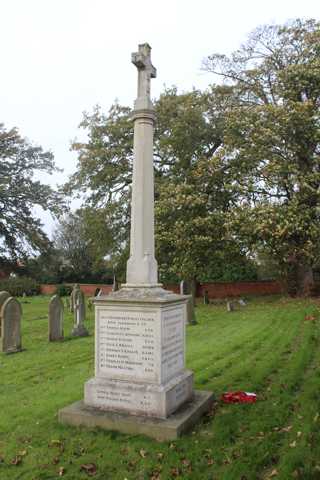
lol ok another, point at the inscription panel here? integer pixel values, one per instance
(132, 401)
(172, 351)
(126, 345)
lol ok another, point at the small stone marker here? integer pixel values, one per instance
(55, 319)
(79, 330)
(206, 297)
(230, 307)
(10, 341)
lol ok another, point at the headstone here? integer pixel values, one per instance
(206, 297)
(3, 297)
(10, 341)
(191, 316)
(140, 329)
(55, 319)
(79, 330)
(230, 306)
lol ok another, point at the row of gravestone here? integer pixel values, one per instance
(11, 313)
(77, 305)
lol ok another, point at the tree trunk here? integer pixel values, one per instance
(300, 279)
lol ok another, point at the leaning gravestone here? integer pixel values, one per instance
(184, 290)
(10, 341)
(55, 319)
(79, 330)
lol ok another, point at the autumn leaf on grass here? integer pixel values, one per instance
(210, 461)
(293, 444)
(16, 460)
(55, 460)
(62, 471)
(143, 453)
(89, 468)
(175, 472)
(185, 462)
(274, 473)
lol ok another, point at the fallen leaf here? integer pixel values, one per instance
(210, 461)
(299, 434)
(89, 468)
(172, 446)
(16, 460)
(175, 472)
(143, 453)
(55, 460)
(160, 455)
(23, 453)
(62, 471)
(293, 444)
(286, 429)
(185, 462)
(274, 473)
(315, 418)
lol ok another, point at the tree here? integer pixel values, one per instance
(271, 141)
(80, 241)
(20, 230)
(188, 132)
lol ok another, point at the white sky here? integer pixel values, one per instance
(61, 57)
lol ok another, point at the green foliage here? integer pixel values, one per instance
(63, 290)
(191, 190)
(17, 286)
(20, 192)
(272, 143)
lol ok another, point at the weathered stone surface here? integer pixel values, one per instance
(140, 353)
(3, 297)
(142, 266)
(79, 305)
(10, 326)
(78, 414)
(55, 319)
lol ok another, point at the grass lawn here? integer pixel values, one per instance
(271, 347)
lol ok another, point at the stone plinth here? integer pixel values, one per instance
(140, 353)
(78, 414)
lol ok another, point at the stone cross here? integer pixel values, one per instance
(146, 71)
(142, 268)
(55, 319)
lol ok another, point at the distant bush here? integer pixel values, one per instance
(17, 286)
(63, 290)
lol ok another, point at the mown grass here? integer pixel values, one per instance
(270, 347)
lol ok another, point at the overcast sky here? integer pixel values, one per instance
(61, 57)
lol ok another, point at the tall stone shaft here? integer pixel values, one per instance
(142, 267)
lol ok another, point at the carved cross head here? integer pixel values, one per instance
(146, 71)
